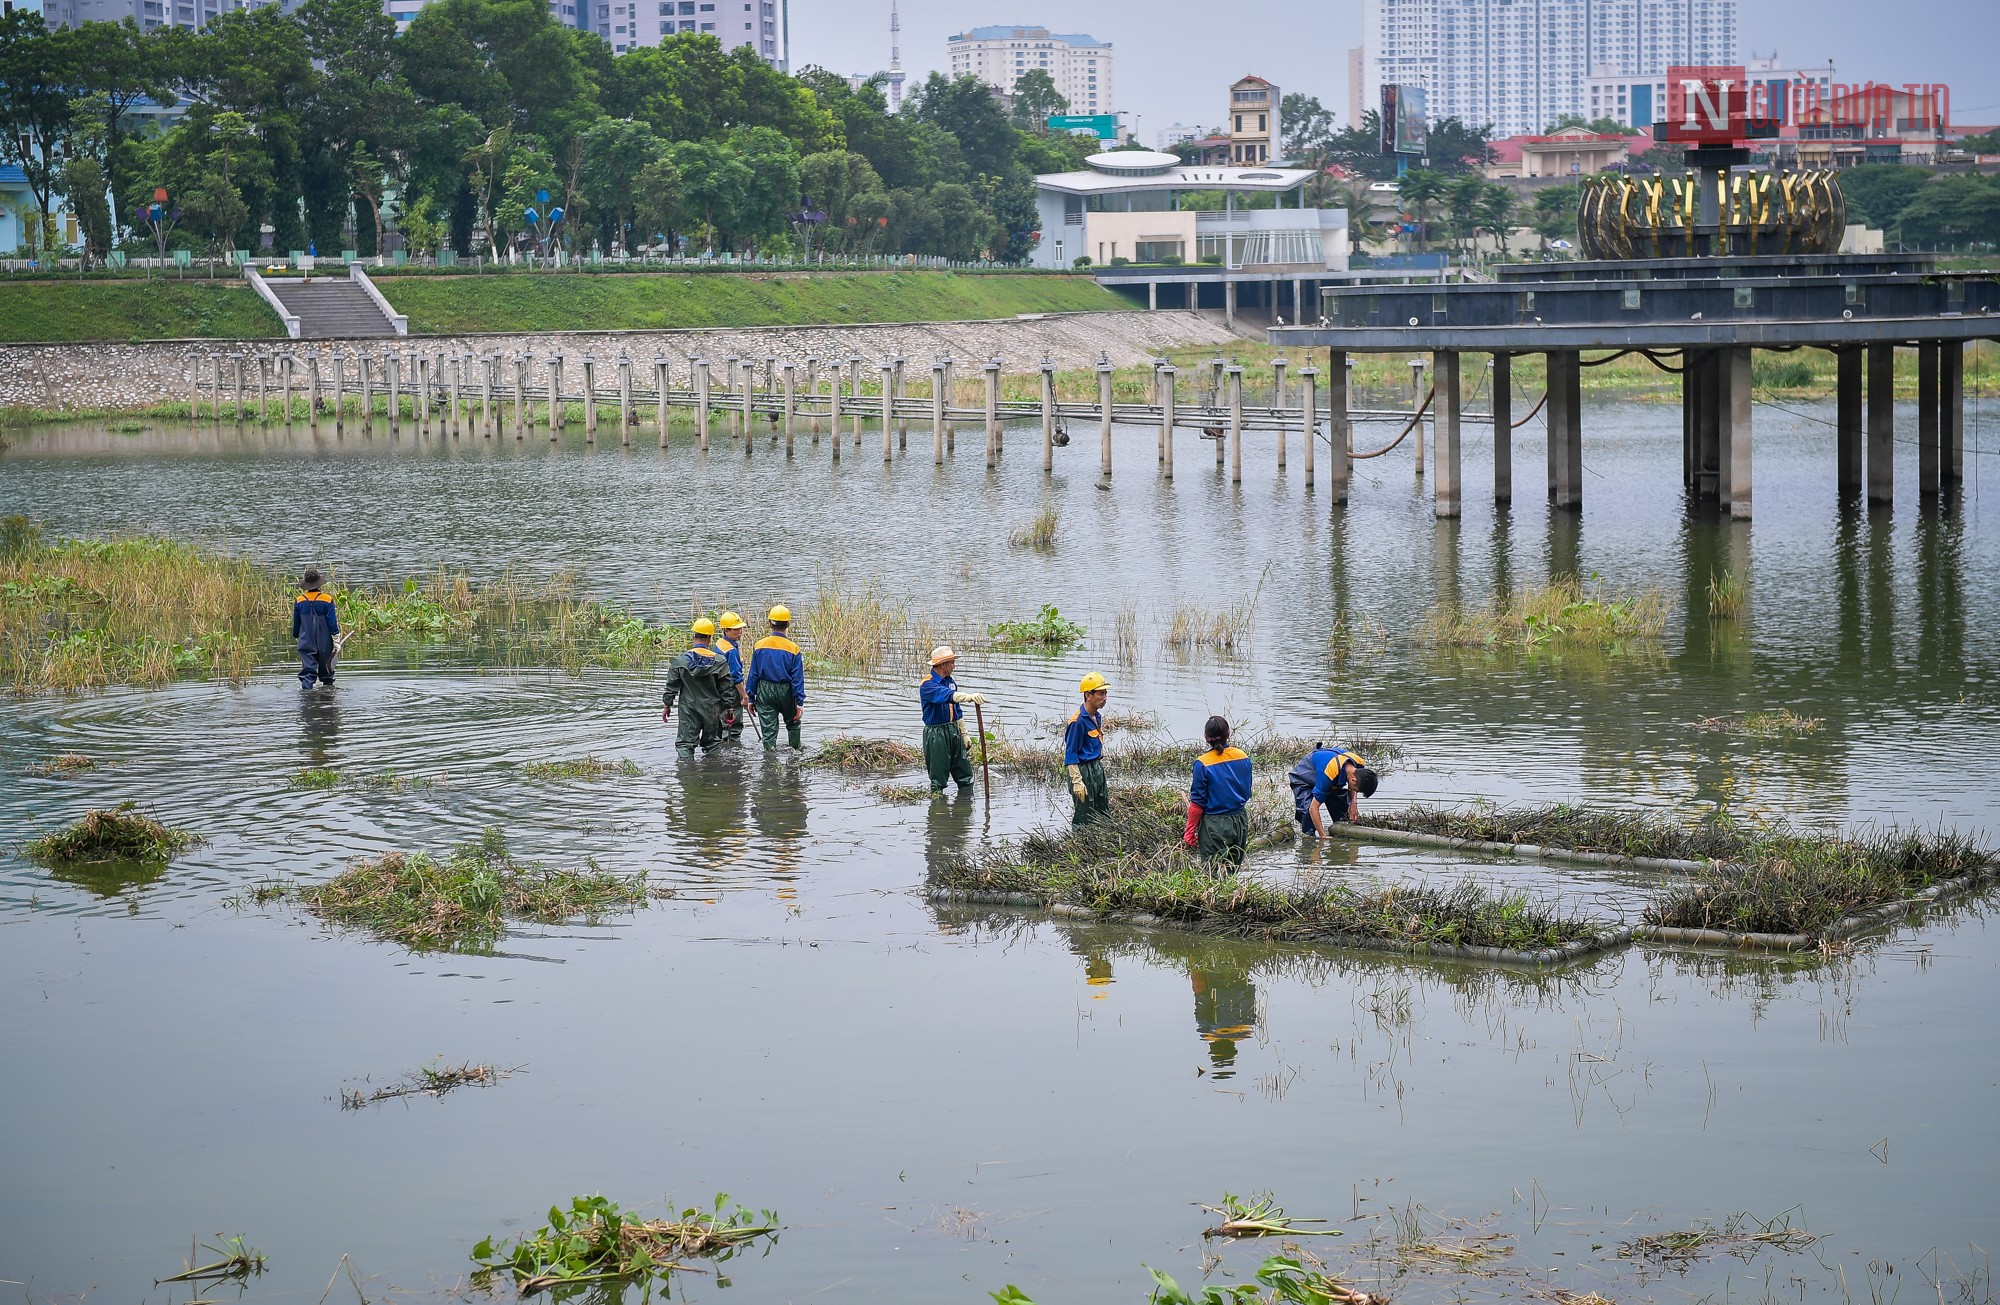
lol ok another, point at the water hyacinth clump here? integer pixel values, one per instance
(464, 900)
(122, 834)
(1562, 613)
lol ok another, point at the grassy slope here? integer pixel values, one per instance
(62, 311)
(442, 305)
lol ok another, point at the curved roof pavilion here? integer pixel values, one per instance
(1134, 171)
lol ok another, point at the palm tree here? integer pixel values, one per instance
(1420, 188)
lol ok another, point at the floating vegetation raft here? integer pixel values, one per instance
(1739, 1234)
(463, 902)
(596, 1242)
(78, 614)
(69, 763)
(122, 834)
(1782, 723)
(1561, 613)
(1135, 863)
(325, 777)
(1138, 756)
(1744, 878)
(1049, 631)
(580, 768)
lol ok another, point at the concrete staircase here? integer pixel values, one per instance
(331, 307)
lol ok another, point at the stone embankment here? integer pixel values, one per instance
(139, 375)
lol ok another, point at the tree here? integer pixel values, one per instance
(1036, 99)
(965, 107)
(506, 62)
(1496, 214)
(713, 184)
(1456, 148)
(214, 208)
(1986, 143)
(657, 197)
(119, 66)
(1555, 212)
(371, 179)
(84, 185)
(771, 192)
(1463, 195)
(35, 84)
(422, 231)
(1359, 149)
(615, 154)
(1308, 126)
(1420, 189)
(964, 229)
(1877, 193)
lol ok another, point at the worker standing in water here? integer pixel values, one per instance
(1327, 787)
(728, 636)
(1218, 824)
(314, 625)
(776, 682)
(947, 747)
(1083, 752)
(699, 679)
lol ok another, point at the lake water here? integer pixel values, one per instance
(940, 1101)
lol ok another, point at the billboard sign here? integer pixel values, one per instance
(1104, 126)
(1405, 123)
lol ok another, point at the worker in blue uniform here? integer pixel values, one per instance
(699, 679)
(315, 623)
(1218, 826)
(776, 681)
(729, 634)
(1327, 787)
(947, 747)
(1083, 752)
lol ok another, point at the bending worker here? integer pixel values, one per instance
(1083, 752)
(1218, 828)
(776, 682)
(700, 679)
(725, 643)
(314, 625)
(947, 749)
(1324, 788)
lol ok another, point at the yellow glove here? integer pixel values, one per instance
(1076, 784)
(964, 733)
(969, 699)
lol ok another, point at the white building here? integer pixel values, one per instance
(763, 25)
(1080, 66)
(150, 15)
(1521, 64)
(1642, 101)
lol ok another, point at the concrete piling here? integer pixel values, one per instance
(701, 379)
(1166, 374)
(1235, 430)
(992, 370)
(392, 369)
(1445, 384)
(791, 404)
(625, 400)
(1339, 427)
(660, 395)
(1503, 428)
(1104, 418)
(937, 413)
(1881, 424)
(1309, 416)
(1048, 414)
(1278, 365)
(888, 409)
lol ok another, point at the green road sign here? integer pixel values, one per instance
(1104, 125)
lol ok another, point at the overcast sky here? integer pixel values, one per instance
(1176, 58)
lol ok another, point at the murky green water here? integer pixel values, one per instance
(940, 1101)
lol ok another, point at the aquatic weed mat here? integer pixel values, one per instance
(123, 833)
(1134, 869)
(1136, 754)
(1736, 883)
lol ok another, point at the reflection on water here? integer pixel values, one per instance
(796, 1027)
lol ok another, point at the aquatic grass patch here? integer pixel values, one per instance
(1049, 631)
(63, 766)
(1563, 612)
(78, 614)
(1134, 865)
(464, 900)
(1135, 751)
(583, 768)
(314, 777)
(124, 833)
(235, 1258)
(854, 627)
(1039, 533)
(434, 1080)
(1781, 722)
(902, 794)
(858, 756)
(320, 778)
(594, 1241)
(1727, 592)
(1739, 1234)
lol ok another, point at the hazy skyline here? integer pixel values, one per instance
(1165, 75)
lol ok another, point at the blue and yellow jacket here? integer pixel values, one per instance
(1329, 781)
(776, 658)
(935, 695)
(1084, 739)
(734, 658)
(314, 622)
(1221, 781)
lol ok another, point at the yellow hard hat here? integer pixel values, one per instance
(702, 625)
(1092, 682)
(943, 653)
(781, 613)
(731, 621)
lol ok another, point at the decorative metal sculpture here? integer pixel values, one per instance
(1752, 213)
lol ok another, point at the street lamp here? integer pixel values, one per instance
(808, 220)
(544, 222)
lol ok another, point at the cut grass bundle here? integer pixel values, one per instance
(585, 768)
(1140, 754)
(464, 901)
(856, 756)
(122, 834)
(595, 1241)
(427, 1081)
(1039, 533)
(237, 1260)
(1259, 1216)
(1561, 613)
(1135, 862)
(69, 763)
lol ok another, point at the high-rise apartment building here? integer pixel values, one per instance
(150, 15)
(1521, 64)
(1080, 66)
(763, 25)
